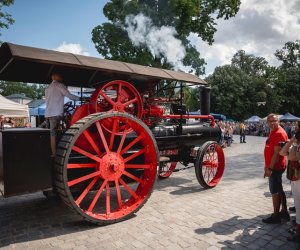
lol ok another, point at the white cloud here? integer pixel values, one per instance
(259, 28)
(73, 48)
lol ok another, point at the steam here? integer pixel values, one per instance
(159, 40)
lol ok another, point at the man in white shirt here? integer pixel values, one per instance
(55, 94)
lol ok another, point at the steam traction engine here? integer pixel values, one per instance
(129, 132)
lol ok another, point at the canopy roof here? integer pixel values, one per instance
(35, 65)
(289, 117)
(12, 109)
(253, 118)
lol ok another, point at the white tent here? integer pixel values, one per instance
(10, 108)
(253, 118)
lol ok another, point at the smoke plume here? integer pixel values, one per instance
(159, 40)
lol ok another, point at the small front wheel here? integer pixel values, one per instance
(210, 164)
(166, 169)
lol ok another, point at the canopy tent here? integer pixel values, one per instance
(219, 117)
(265, 118)
(253, 118)
(10, 108)
(40, 109)
(289, 117)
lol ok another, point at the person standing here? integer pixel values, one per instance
(292, 150)
(275, 165)
(242, 133)
(2, 119)
(55, 94)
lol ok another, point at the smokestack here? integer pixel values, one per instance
(205, 100)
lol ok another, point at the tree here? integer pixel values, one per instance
(288, 88)
(5, 18)
(229, 92)
(288, 85)
(191, 98)
(289, 55)
(175, 19)
(237, 89)
(251, 65)
(34, 91)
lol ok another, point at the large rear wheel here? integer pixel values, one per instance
(106, 176)
(210, 164)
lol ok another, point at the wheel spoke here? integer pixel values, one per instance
(122, 141)
(107, 199)
(119, 197)
(132, 177)
(129, 102)
(97, 195)
(102, 137)
(119, 91)
(109, 100)
(129, 189)
(85, 153)
(134, 155)
(86, 191)
(208, 174)
(113, 132)
(83, 178)
(81, 165)
(137, 166)
(91, 141)
(136, 140)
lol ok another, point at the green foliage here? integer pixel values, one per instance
(251, 65)
(289, 55)
(238, 88)
(289, 91)
(5, 18)
(34, 91)
(191, 98)
(249, 80)
(185, 16)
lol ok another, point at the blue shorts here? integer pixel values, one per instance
(275, 182)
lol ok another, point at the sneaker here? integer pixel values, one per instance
(292, 209)
(244, 142)
(284, 215)
(273, 219)
(292, 230)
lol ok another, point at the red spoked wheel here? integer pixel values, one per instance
(115, 177)
(210, 164)
(166, 169)
(119, 96)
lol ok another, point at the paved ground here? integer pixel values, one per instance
(179, 214)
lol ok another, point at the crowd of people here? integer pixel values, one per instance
(228, 129)
(6, 122)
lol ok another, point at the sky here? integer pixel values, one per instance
(259, 28)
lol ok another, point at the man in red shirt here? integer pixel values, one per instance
(275, 165)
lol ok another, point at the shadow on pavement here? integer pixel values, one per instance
(250, 234)
(32, 217)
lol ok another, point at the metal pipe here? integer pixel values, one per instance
(210, 117)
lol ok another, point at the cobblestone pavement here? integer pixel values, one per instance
(180, 214)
